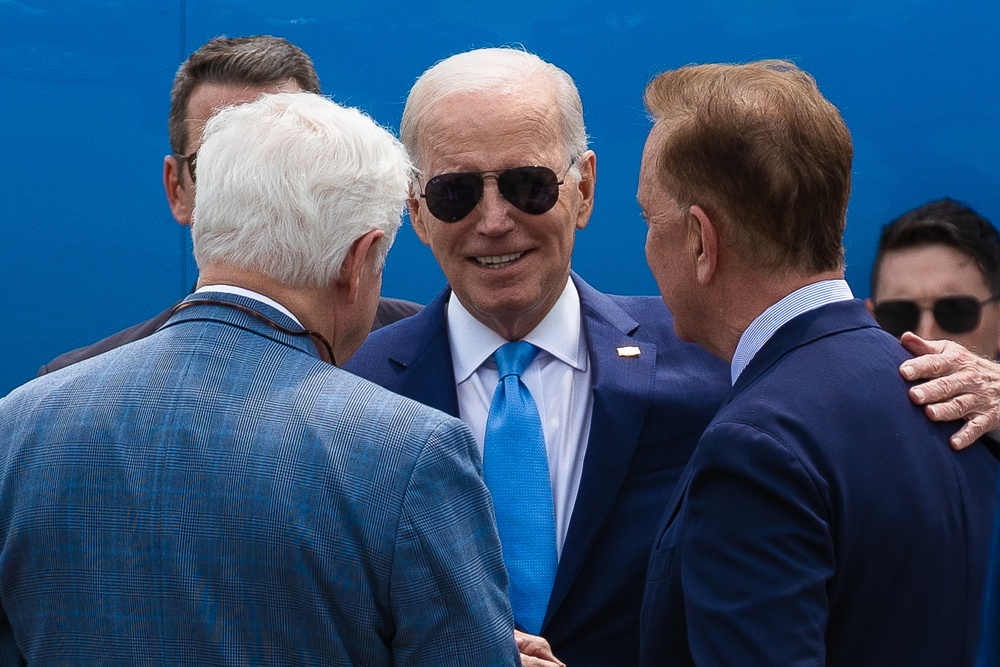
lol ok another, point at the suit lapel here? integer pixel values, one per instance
(622, 387)
(421, 356)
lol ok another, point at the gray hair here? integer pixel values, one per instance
(499, 70)
(287, 183)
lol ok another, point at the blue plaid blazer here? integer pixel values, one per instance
(216, 494)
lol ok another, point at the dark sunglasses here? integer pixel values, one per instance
(191, 158)
(954, 314)
(534, 190)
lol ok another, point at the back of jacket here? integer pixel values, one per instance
(215, 494)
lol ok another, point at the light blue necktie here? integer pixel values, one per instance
(516, 469)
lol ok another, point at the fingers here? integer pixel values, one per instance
(937, 358)
(917, 346)
(535, 651)
(531, 661)
(974, 429)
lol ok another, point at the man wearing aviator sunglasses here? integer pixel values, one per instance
(225, 71)
(937, 274)
(505, 181)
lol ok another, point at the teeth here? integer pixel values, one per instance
(498, 261)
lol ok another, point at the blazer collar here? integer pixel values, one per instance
(622, 389)
(801, 330)
(212, 307)
(420, 351)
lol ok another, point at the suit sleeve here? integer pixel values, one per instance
(448, 587)
(756, 553)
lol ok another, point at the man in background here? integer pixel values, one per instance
(222, 72)
(937, 274)
(822, 519)
(218, 492)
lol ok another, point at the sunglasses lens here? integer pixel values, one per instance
(533, 190)
(897, 317)
(451, 197)
(957, 314)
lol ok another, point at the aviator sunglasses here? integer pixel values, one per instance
(954, 314)
(534, 190)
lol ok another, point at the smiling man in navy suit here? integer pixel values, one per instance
(822, 519)
(506, 180)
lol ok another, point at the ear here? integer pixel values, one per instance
(416, 212)
(180, 195)
(703, 238)
(870, 305)
(357, 266)
(588, 179)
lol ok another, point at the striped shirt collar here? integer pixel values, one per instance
(800, 301)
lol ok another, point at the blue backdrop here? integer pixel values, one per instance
(87, 243)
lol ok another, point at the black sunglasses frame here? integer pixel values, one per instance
(191, 159)
(543, 196)
(954, 314)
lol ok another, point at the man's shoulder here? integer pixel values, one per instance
(113, 341)
(392, 310)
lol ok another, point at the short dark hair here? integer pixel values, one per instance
(760, 149)
(949, 223)
(259, 60)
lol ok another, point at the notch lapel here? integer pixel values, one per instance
(622, 388)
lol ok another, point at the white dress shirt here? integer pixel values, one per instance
(559, 380)
(767, 323)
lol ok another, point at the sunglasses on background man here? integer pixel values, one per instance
(953, 314)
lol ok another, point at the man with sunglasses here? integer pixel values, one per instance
(222, 72)
(505, 180)
(937, 274)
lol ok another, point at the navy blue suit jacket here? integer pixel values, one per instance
(214, 494)
(823, 520)
(649, 412)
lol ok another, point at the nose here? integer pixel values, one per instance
(493, 210)
(927, 327)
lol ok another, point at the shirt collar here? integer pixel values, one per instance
(250, 294)
(559, 333)
(788, 308)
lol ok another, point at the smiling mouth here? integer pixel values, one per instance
(498, 261)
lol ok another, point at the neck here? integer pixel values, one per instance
(747, 298)
(311, 306)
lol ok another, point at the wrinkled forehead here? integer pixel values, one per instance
(490, 129)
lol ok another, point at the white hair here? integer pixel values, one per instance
(494, 70)
(287, 183)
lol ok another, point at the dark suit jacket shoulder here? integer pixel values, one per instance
(653, 395)
(823, 520)
(389, 311)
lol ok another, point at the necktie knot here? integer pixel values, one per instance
(512, 358)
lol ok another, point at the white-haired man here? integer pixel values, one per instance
(505, 181)
(217, 493)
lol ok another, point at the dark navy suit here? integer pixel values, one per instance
(823, 519)
(649, 412)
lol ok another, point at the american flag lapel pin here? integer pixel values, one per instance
(628, 351)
